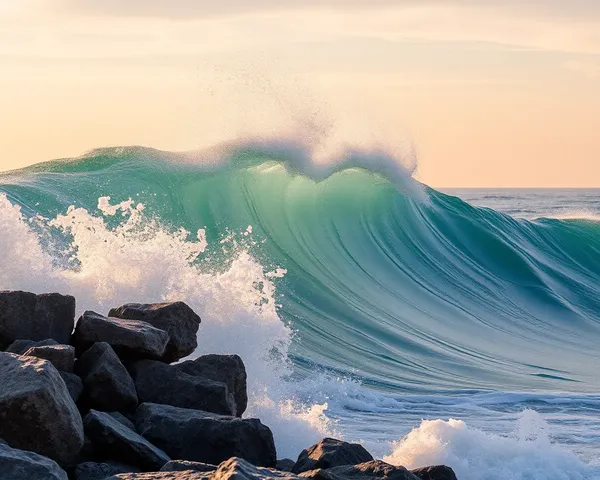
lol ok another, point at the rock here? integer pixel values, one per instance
(36, 411)
(205, 437)
(131, 339)
(20, 465)
(228, 369)
(329, 453)
(186, 475)
(99, 471)
(114, 440)
(122, 419)
(238, 469)
(21, 346)
(61, 356)
(437, 472)
(177, 319)
(107, 384)
(73, 383)
(183, 465)
(285, 465)
(373, 470)
(29, 316)
(158, 382)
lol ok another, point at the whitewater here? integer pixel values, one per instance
(457, 327)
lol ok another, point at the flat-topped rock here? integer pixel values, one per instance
(61, 356)
(21, 346)
(131, 339)
(157, 382)
(28, 316)
(101, 470)
(228, 369)
(329, 453)
(373, 470)
(436, 472)
(114, 440)
(177, 319)
(37, 412)
(186, 465)
(205, 437)
(107, 384)
(239, 469)
(20, 465)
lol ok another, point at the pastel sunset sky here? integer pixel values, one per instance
(502, 93)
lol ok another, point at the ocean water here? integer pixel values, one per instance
(456, 326)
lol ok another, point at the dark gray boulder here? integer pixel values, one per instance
(186, 475)
(186, 465)
(329, 453)
(21, 346)
(177, 319)
(131, 339)
(239, 469)
(73, 383)
(99, 471)
(285, 465)
(20, 465)
(205, 437)
(29, 316)
(107, 384)
(436, 472)
(37, 412)
(111, 439)
(61, 356)
(157, 382)
(228, 369)
(373, 470)
(122, 419)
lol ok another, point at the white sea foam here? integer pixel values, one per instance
(140, 261)
(528, 454)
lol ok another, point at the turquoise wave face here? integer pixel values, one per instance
(387, 281)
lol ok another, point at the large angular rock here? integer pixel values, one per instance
(36, 410)
(157, 382)
(373, 470)
(186, 465)
(61, 356)
(329, 453)
(131, 339)
(99, 471)
(113, 440)
(285, 465)
(205, 437)
(122, 419)
(228, 369)
(177, 319)
(20, 465)
(73, 383)
(29, 316)
(21, 346)
(239, 469)
(107, 384)
(436, 472)
(186, 475)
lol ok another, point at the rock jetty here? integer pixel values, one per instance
(102, 399)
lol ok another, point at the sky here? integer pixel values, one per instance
(486, 93)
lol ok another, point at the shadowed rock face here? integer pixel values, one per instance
(436, 472)
(374, 470)
(177, 319)
(329, 453)
(228, 369)
(186, 475)
(19, 465)
(130, 339)
(158, 382)
(204, 437)
(73, 383)
(114, 440)
(21, 346)
(28, 316)
(99, 471)
(107, 383)
(61, 356)
(37, 412)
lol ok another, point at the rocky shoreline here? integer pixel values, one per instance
(103, 398)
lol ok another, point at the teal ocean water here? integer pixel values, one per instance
(455, 326)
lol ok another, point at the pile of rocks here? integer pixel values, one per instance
(104, 399)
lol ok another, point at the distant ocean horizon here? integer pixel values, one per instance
(456, 326)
